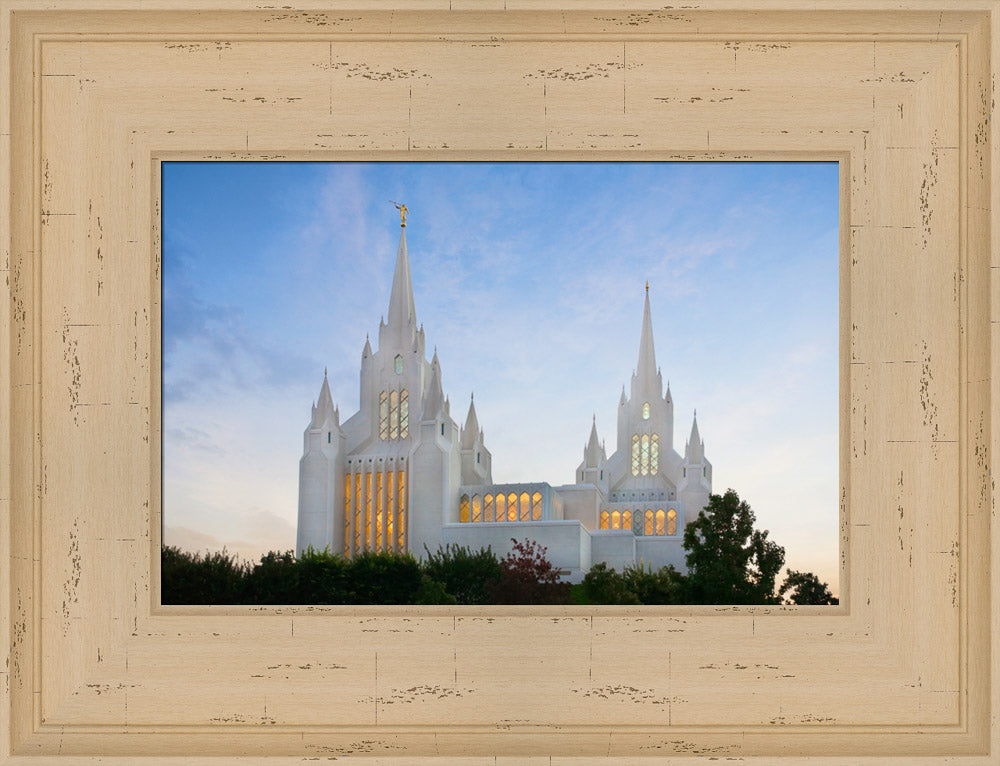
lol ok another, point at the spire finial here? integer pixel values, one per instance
(324, 372)
(647, 286)
(403, 210)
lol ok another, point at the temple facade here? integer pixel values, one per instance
(401, 474)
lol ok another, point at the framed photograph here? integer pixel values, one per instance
(96, 99)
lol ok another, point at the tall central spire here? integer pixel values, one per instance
(646, 367)
(401, 308)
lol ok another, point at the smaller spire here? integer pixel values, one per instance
(367, 350)
(323, 409)
(471, 429)
(695, 451)
(434, 402)
(592, 453)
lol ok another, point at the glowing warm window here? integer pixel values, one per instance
(525, 507)
(368, 510)
(645, 411)
(536, 506)
(616, 520)
(605, 518)
(383, 415)
(390, 510)
(671, 522)
(635, 454)
(626, 519)
(401, 500)
(654, 454)
(393, 414)
(463, 509)
(477, 508)
(488, 508)
(512, 507)
(648, 527)
(501, 507)
(379, 511)
(357, 512)
(347, 515)
(660, 519)
(644, 456)
(404, 414)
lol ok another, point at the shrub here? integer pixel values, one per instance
(383, 578)
(527, 577)
(663, 586)
(467, 576)
(191, 578)
(602, 585)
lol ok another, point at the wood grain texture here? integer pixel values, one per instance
(96, 94)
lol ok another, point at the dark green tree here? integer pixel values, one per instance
(468, 576)
(730, 562)
(660, 586)
(805, 588)
(193, 578)
(603, 585)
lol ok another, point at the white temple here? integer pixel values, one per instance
(400, 474)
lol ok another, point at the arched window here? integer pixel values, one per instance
(616, 520)
(648, 527)
(379, 510)
(645, 411)
(536, 506)
(626, 519)
(488, 508)
(347, 515)
(399, 364)
(654, 454)
(512, 507)
(605, 519)
(525, 507)
(393, 415)
(383, 415)
(501, 507)
(671, 522)
(660, 522)
(635, 454)
(477, 508)
(463, 509)
(644, 456)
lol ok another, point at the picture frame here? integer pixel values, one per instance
(97, 95)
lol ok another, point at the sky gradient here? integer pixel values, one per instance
(529, 281)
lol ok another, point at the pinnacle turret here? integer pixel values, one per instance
(434, 403)
(471, 429)
(695, 450)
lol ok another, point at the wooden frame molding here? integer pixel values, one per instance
(97, 93)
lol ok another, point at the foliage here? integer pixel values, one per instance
(383, 578)
(466, 575)
(191, 578)
(730, 562)
(603, 585)
(805, 588)
(662, 586)
(272, 580)
(527, 577)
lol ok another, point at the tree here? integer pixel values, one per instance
(603, 585)
(467, 576)
(191, 578)
(527, 577)
(730, 562)
(805, 588)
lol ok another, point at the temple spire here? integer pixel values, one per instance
(434, 403)
(695, 451)
(646, 367)
(471, 429)
(401, 308)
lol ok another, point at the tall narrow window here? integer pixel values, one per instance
(404, 414)
(368, 510)
(616, 520)
(648, 525)
(393, 414)
(379, 511)
(660, 519)
(525, 507)
(671, 522)
(357, 512)
(605, 519)
(347, 515)
(401, 504)
(463, 509)
(501, 507)
(626, 519)
(488, 508)
(399, 364)
(644, 456)
(645, 411)
(536, 506)
(477, 509)
(635, 454)
(390, 510)
(512, 507)
(383, 415)
(654, 454)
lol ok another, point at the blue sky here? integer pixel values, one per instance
(529, 280)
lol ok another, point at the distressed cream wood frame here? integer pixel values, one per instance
(96, 94)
